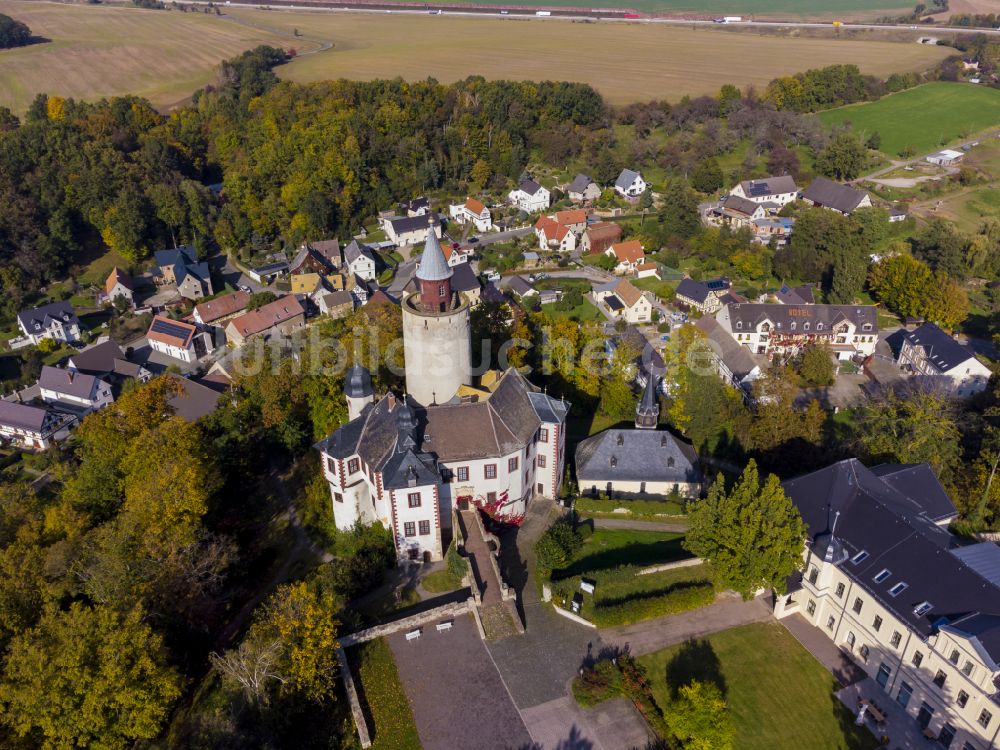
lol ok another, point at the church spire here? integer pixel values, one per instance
(647, 413)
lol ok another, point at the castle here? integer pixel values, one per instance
(406, 461)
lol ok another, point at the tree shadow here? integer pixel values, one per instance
(513, 567)
(652, 553)
(694, 660)
(573, 741)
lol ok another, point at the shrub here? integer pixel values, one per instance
(635, 507)
(557, 546)
(598, 684)
(635, 608)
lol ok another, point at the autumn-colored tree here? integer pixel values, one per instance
(699, 717)
(88, 678)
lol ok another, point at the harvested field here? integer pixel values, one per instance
(662, 62)
(97, 51)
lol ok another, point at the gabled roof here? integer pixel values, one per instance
(636, 455)
(105, 358)
(604, 230)
(941, 350)
(171, 332)
(520, 286)
(328, 249)
(529, 186)
(630, 251)
(336, 299)
(627, 292)
(220, 307)
(76, 384)
(768, 186)
(693, 290)
(22, 416)
(356, 249)
(830, 194)
(192, 400)
(305, 283)
(319, 259)
(404, 224)
(553, 230)
(464, 279)
(171, 256)
(476, 207)
(739, 205)
(580, 183)
(267, 316)
(736, 358)
(118, 276)
(573, 216)
(783, 316)
(626, 178)
(40, 318)
(799, 295)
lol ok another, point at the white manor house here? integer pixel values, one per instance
(406, 461)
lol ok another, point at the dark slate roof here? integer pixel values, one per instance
(614, 304)
(199, 270)
(642, 456)
(44, 315)
(194, 400)
(102, 359)
(404, 224)
(432, 265)
(693, 290)
(173, 255)
(519, 285)
(356, 249)
(941, 350)
(830, 194)
(769, 186)
(742, 205)
(492, 294)
(648, 357)
(579, 184)
(735, 357)
(782, 316)
(626, 178)
(76, 384)
(358, 382)
(464, 279)
(897, 530)
(22, 416)
(918, 481)
(798, 295)
(529, 186)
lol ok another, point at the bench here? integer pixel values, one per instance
(441, 626)
(413, 635)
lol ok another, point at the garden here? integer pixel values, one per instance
(386, 708)
(609, 562)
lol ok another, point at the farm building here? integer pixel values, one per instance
(946, 157)
(843, 199)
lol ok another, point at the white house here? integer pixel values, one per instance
(554, 236)
(455, 256)
(628, 256)
(408, 230)
(119, 284)
(928, 351)
(56, 320)
(630, 185)
(734, 363)
(529, 196)
(621, 300)
(583, 189)
(32, 427)
(778, 190)
(914, 607)
(175, 338)
(774, 328)
(359, 259)
(472, 212)
(75, 389)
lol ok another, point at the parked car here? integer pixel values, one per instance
(245, 288)
(493, 276)
(473, 240)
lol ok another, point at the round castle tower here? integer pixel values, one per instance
(437, 339)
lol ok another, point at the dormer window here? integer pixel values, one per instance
(882, 575)
(819, 326)
(898, 589)
(791, 326)
(860, 557)
(621, 439)
(614, 461)
(670, 461)
(922, 609)
(805, 326)
(866, 327)
(739, 324)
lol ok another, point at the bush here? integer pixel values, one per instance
(556, 547)
(635, 608)
(598, 684)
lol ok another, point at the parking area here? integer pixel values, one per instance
(456, 693)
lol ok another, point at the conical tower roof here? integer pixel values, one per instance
(648, 411)
(433, 265)
(358, 383)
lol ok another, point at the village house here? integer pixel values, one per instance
(193, 399)
(795, 295)
(914, 607)
(76, 390)
(930, 352)
(107, 361)
(575, 220)
(628, 255)
(622, 300)
(306, 286)
(32, 427)
(773, 328)
(336, 304)
(318, 257)
(738, 212)
(405, 230)
(647, 270)
(630, 185)
(734, 363)
(529, 196)
(843, 199)
(269, 272)
(520, 287)
(415, 206)
(777, 190)
(180, 266)
(119, 284)
(599, 237)
(472, 212)
(359, 259)
(773, 228)
(456, 256)
(583, 189)
(282, 316)
(220, 309)
(554, 236)
(706, 297)
(638, 463)
(174, 338)
(56, 320)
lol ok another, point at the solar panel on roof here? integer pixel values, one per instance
(758, 189)
(168, 328)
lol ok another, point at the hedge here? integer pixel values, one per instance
(635, 608)
(635, 507)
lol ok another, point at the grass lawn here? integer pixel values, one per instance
(662, 289)
(663, 62)
(653, 509)
(610, 548)
(382, 698)
(582, 312)
(780, 697)
(924, 118)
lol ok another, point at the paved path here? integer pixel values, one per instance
(826, 652)
(607, 726)
(635, 525)
(479, 555)
(729, 611)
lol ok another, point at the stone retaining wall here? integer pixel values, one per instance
(670, 566)
(407, 623)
